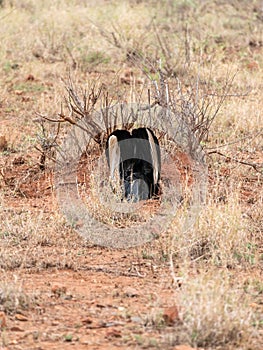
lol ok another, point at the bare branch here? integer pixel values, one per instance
(255, 166)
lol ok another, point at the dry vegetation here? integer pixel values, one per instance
(202, 286)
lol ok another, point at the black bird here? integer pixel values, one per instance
(135, 159)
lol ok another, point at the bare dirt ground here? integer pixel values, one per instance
(99, 306)
(97, 298)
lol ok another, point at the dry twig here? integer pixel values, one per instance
(256, 166)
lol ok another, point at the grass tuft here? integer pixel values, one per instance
(215, 313)
(13, 298)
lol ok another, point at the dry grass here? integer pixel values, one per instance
(36, 239)
(216, 313)
(221, 237)
(13, 298)
(121, 44)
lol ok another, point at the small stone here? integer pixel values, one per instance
(30, 77)
(21, 317)
(113, 333)
(2, 320)
(136, 319)
(3, 143)
(170, 315)
(68, 297)
(58, 290)
(131, 292)
(36, 335)
(13, 342)
(18, 92)
(86, 320)
(16, 329)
